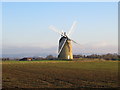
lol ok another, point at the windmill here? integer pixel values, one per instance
(65, 45)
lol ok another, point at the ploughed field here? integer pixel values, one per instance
(60, 74)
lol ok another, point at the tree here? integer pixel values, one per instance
(50, 57)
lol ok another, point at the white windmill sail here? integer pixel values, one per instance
(72, 28)
(62, 46)
(55, 29)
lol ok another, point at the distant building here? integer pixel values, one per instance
(26, 59)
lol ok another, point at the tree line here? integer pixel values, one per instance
(104, 56)
(51, 57)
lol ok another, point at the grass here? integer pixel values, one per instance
(60, 74)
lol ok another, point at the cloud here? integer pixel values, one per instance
(27, 51)
(89, 48)
(100, 44)
(96, 47)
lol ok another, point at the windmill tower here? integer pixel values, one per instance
(65, 43)
(65, 48)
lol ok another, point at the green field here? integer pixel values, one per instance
(60, 74)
